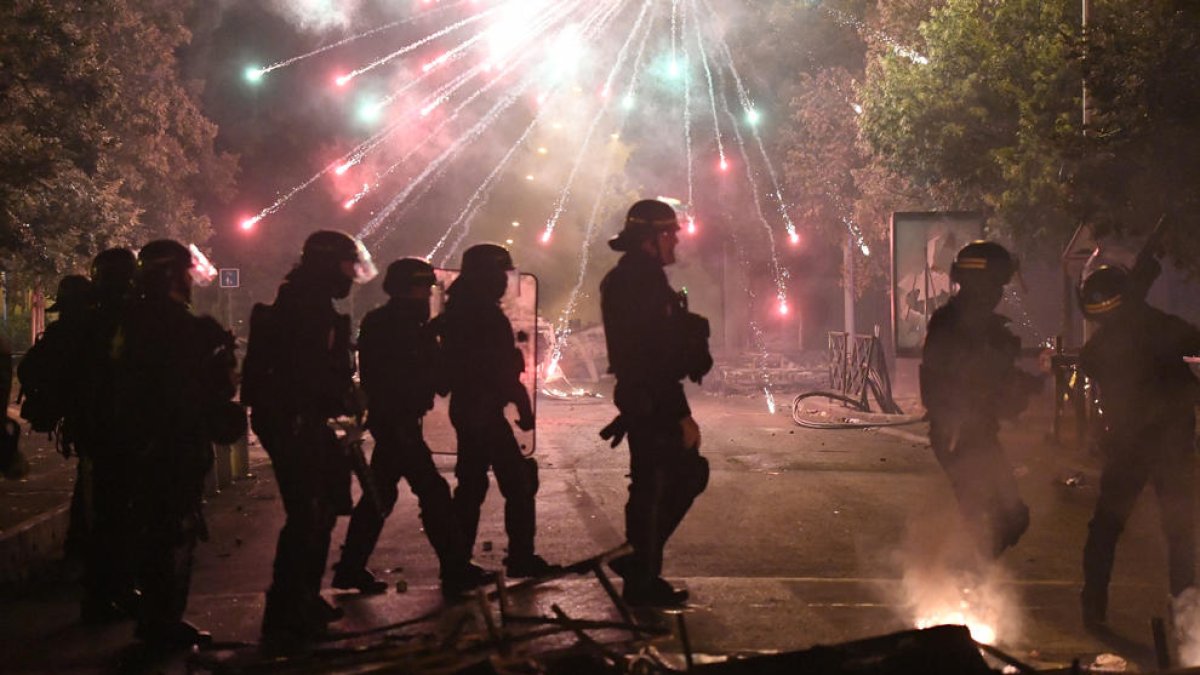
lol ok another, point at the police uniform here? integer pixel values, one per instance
(969, 382)
(645, 328)
(108, 579)
(1148, 397)
(398, 360)
(484, 367)
(297, 375)
(310, 385)
(174, 371)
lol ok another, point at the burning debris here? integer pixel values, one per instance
(947, 581)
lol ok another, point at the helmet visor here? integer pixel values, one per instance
(202, 271)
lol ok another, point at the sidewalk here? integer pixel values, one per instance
(34, 510)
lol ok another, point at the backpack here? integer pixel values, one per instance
(44, 373)
(262, 350)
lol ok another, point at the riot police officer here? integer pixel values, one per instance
(654, 342)
(174, 389)
(398, 362)
(969, 382)
(298, 374)
(108, 579)
(484, 369)
(1148, 397)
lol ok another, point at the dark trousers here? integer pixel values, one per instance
(1162, 456)
(984, 486)
(664, 480)
(167, 506)
(314, 486)
(165, 571)
(401, 452)
(489, 443)
(108, 574)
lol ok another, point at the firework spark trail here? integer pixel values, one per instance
(687, 123)
(453, 114)
(637, 67)
(587, 139)
(414, 45)
(479, 198)
(749, 109)
(756, 333)
(590, 230)
(449, 153)
(446, 91)
(674, 31)
(394, 24)
(481, 195)
(712, 97)
(780, 273)
(612, 73)
(898, 48)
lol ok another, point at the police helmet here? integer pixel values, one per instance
(74, 293)
(113, 269)
(408, 273)
(1103, 290)
(162, 263)
(486, 258)
(328, 249)
(645, 219)
(983, 262)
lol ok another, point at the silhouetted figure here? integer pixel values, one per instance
(399, 367)
(654, 342)
(174, 382)
(13, 464)
(298, 375)
(1148, 397)
(53, 378)
(108, 576)
(484, 370)
(969, 382)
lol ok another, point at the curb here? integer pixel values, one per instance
(30, 545)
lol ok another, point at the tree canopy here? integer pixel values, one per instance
(992, 116)
(101, 140)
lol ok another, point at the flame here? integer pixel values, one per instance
(981, 631)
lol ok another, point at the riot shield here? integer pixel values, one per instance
(520, 305)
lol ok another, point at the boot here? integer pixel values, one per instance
(359, 579)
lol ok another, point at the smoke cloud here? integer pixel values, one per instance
(946, 580)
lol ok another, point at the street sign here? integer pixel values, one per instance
(230, 277)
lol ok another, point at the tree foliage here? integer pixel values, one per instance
(101, 141)
(993, 119)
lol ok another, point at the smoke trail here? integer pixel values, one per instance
(899, 49)
(590, 231)
(758, 341)
(259, 72)
(780, 273)
(752, 115)
(480, 197)
(450, 153)
(443, 95)
(414, 45)
(712, 96)
(687, 125)
(587, 139)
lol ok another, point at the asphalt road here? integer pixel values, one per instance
(802, 538)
